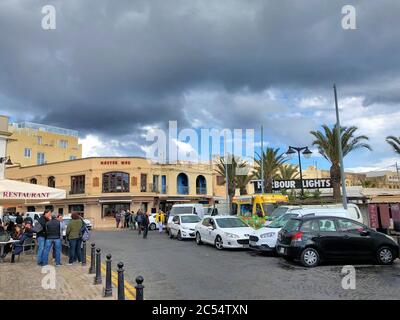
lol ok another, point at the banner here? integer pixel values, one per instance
(373, 216)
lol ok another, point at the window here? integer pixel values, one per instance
(347, 225)
(115, 182)
(77, 184)
(175, 219)
(33, 181)
(39, 140)
(40, 158)
(206, 222)
(63, 144)
(79, 208)
(231, 223)
(310, 226)
(27, 152)
(72, 157)
(143, 182)
(156, 179)
(189, 219)
(327, 225)
(51, 182)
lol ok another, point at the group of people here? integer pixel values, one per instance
(20, 230)
(49, 234)
(139, 220)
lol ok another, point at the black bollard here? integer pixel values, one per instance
(121, 283)
(97, 278)
(108, 288)
(92, 259)
(83, 253)
(139, 288)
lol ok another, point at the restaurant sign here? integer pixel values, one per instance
(295, 184)
(25, 195)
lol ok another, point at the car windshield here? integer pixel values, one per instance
(230, 223)
(292, 225)
(190, 219)
(282, 220)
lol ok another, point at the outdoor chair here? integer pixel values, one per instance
(28, 247)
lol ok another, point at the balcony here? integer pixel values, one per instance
(72, 192)
(201, 190)
(182, 189)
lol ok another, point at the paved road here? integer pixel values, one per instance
(183, 270)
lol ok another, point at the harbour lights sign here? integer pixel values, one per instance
(295, 184)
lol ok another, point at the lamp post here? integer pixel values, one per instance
(306, 153)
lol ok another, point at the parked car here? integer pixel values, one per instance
(353, 211)
(264, 239)
(153, 225)
(183, 226)
(67, 219)
(186, 208)
(223, 232)
(314, 239)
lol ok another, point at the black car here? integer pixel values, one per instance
(313, 239)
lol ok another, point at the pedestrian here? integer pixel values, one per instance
(40, 229)
(160, 220)
(73, 234)
(19, 219)
(132, 222)
(122, 218)
(29, 220)
(127, 218)
(117, 218)
(139, 220)
(145, 224)
(62, 227)
(53, 235)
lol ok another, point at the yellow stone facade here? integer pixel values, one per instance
(134, 191)
(32, 143)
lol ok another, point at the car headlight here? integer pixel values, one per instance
(231, 235)
(267, 235)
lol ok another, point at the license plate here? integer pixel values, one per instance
(282, 250)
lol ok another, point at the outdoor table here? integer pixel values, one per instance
(3, 244)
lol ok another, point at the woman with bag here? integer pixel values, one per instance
(73, 234)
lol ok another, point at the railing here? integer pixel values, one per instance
(183, 190)
(71, 192)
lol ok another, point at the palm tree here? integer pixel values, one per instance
(272, 162)
(233, 167)
(327, 144)
(288, 172)
(394, 142)
(242, 181)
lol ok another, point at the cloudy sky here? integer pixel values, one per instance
(115, 69)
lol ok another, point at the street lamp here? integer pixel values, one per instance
(306, 153)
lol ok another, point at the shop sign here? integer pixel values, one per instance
(295, 184)
(114, 162)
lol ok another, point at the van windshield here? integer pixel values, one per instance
(181, 210)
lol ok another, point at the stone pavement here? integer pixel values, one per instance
(23, 279)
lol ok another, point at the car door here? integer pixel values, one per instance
(328, 238)
(212, 230)
(204, 230)
(175, 225)
(356, 242)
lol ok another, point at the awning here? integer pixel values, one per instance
(12, 191)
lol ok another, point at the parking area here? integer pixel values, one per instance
(183, 270)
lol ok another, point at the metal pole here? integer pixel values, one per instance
(108, 288)
(301, 174)
(83, 253)
(97, 278)
(262, 160)
(398, 174)
(139, 288)
(227, 176)
(121, 282)
(344, 194)
(92, 258)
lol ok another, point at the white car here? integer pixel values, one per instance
(67, 219)
(264, 239)
(152, 222)
(223, 232)
(183, 226)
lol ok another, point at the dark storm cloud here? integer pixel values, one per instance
(113, 67)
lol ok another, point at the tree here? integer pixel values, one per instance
(288, 172)
(237, 169)
(327, 144)
(394, 142)
(272, 162)
(242, 181)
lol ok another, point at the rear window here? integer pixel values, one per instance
(292, 225)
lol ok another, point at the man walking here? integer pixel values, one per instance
(139, 219)
(145, 224)
(132, 222)
(117, 218)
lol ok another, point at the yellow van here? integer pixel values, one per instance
(256, 209)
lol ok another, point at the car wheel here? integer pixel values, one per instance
(152, 227)
(198, 239)
(218, 243)
(385, 256)
(309, 257)
(179, 236)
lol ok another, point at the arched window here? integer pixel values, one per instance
(115, 182)
(33, 181)
(182, 184)
(201, 185)
(51, 182)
